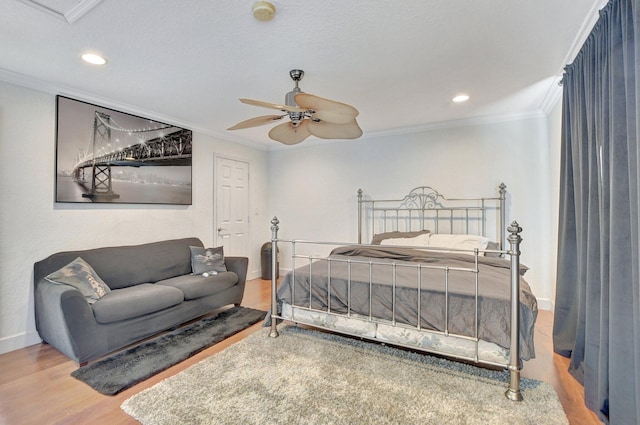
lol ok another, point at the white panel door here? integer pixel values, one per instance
(232, 206)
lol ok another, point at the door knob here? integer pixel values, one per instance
(220, 229)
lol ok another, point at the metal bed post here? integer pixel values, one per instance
(513, 393)
(359, 216)
(274, 279)
(503, 221)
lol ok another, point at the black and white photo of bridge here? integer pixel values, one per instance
(103, 155)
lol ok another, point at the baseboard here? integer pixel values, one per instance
(545, 304)
(16, 342)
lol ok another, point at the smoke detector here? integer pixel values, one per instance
(263, 11)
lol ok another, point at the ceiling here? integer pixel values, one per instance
(400, 63)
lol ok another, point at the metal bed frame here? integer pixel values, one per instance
(423, 206)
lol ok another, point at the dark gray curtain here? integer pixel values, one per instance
(597, 313)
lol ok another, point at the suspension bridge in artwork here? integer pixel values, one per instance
(170, 148)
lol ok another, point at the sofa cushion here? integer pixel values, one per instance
(198, 286)
(135, 301)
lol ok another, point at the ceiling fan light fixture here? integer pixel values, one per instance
(263, 11)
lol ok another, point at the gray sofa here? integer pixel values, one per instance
(152, 290)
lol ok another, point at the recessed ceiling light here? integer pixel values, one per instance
(461, 98)
(94, 59)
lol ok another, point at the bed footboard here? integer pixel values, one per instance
(512, 361)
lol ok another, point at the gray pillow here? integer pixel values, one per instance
(493, 246)
(81, 276)
(393, 235)
(205, 260)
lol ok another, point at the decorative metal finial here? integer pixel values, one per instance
(274, 224)
(514, 228)
(503, 188)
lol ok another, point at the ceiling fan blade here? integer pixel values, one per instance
(257, 121)
(325, 109)
(289, 134)
(285, 108)
(328, 130)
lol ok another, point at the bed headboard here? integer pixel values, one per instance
(424, 208)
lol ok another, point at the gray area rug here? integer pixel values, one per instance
(309, 377)
(125, 369)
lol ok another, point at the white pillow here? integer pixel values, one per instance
(420, 240)
(469, 242)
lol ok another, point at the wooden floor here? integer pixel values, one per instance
(36, 386)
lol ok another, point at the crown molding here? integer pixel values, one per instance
(464, 122)
(552, 97)
(588, 24)
(461, 123)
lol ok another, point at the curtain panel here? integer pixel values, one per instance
(597, 305)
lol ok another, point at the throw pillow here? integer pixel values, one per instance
(419, 241)
(467, 242)
(81, 276)
(205, 260)
(493, 246)
(378, 238)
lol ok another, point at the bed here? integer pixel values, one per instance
(434, 275)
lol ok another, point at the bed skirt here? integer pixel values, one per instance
(397, 334)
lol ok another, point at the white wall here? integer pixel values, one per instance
(313, 188)
(33, 226)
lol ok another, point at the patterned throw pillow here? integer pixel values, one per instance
(81, 276)
(205, 260)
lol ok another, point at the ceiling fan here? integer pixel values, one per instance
(309, 115)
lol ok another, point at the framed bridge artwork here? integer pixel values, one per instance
(106, 156)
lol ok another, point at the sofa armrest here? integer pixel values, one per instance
(65, 320)
(238, 265)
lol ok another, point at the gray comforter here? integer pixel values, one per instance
(372, 293)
